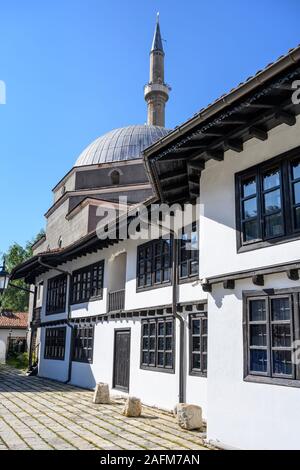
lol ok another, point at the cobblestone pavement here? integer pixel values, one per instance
(37, 413)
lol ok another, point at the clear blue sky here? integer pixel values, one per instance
(75, 69)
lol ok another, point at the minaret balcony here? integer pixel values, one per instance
(156, 88)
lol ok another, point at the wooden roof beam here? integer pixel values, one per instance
(217, 155)
(172, 175)
(285, 118)
(196, 165)
(233, 144)
(258, 133)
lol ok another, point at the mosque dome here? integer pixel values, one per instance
(118, 145)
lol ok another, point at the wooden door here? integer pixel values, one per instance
(121, 360)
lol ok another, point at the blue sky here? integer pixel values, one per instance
(75, 69)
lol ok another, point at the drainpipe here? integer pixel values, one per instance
(48, 266)
(181, 394)
(179, 317)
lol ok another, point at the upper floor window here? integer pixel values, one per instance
(154, 263)
(270, 329)
(56, 294)
(55, 343)
(87, 283)
(268, 201)
(188, 256)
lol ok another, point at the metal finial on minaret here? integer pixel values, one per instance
(156, 92)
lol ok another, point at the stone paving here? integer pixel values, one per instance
(42, 414)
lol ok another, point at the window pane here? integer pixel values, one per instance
(183, 270)
(258, 335)
(296, 169)
(196, 361)
(145, 343)
(168, 344)
(169, 328)
(160, 345)
(271, 179)
(160, 359)
(196, 343)
(145, 329)
(258, 360)
(280, 309)
(161, 328)
(152, 343)
(250, 208)
(282, 362)
(145, 357)
(257, 310)
(272, 201)
(297, 193)
(168, 357)
(297, 217)
(195, 327)
(281, 335)
(249, 187)
(152, 329)
(274, 225)
(250, 230)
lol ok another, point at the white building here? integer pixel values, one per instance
(13, 333)
(157, 320)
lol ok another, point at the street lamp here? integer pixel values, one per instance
(4, 278)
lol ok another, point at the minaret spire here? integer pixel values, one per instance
(156, 91)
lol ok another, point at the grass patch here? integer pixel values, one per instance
(18, 361)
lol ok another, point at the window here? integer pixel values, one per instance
(268, 198)
(55, 342)
(87, 283)
(154, 263)
(198, 344)
(157, 348)
(188, 256)
(83, 344)
(270, 329)
(56, 294)
(115, 177)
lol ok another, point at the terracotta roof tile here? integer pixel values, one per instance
(13, 320)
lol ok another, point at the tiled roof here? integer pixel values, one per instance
(13, 320)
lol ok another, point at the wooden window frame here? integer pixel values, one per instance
(152, 259)
(56, 288)
(51, 344)
(290, 232)
(190, 276)
(79, 336)
(270, 377)
(155, 367)
(83, 277)
(203, 351)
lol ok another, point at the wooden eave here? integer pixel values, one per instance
(174, 167)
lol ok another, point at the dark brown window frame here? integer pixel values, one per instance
(290, 231)
(87, 271)
(190, 276)
(270, 377)
(79, 346)
(154, 284)
(201, 316)
(155, 367)
(56, 284)
(51, 343)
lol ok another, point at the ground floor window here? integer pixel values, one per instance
(271, 326)
(83, 344)
(55, 343)
(158, 345)
(198, 344)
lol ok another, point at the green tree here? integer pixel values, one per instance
(15, 299)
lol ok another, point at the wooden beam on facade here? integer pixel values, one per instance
(233, 144)
(172, 175)
(293, 274)
(285, 117)
(197, 165)
(258, 133)
(258, 280)
(217, 155)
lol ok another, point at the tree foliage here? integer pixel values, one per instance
(15, 299)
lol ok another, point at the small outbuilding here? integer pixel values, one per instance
(13, 333)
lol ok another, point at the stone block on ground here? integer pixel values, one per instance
(189, 416)
(101, 395)
(133, 407)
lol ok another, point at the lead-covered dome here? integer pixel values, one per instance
(126, 143)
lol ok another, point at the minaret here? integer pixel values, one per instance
(156, 92)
